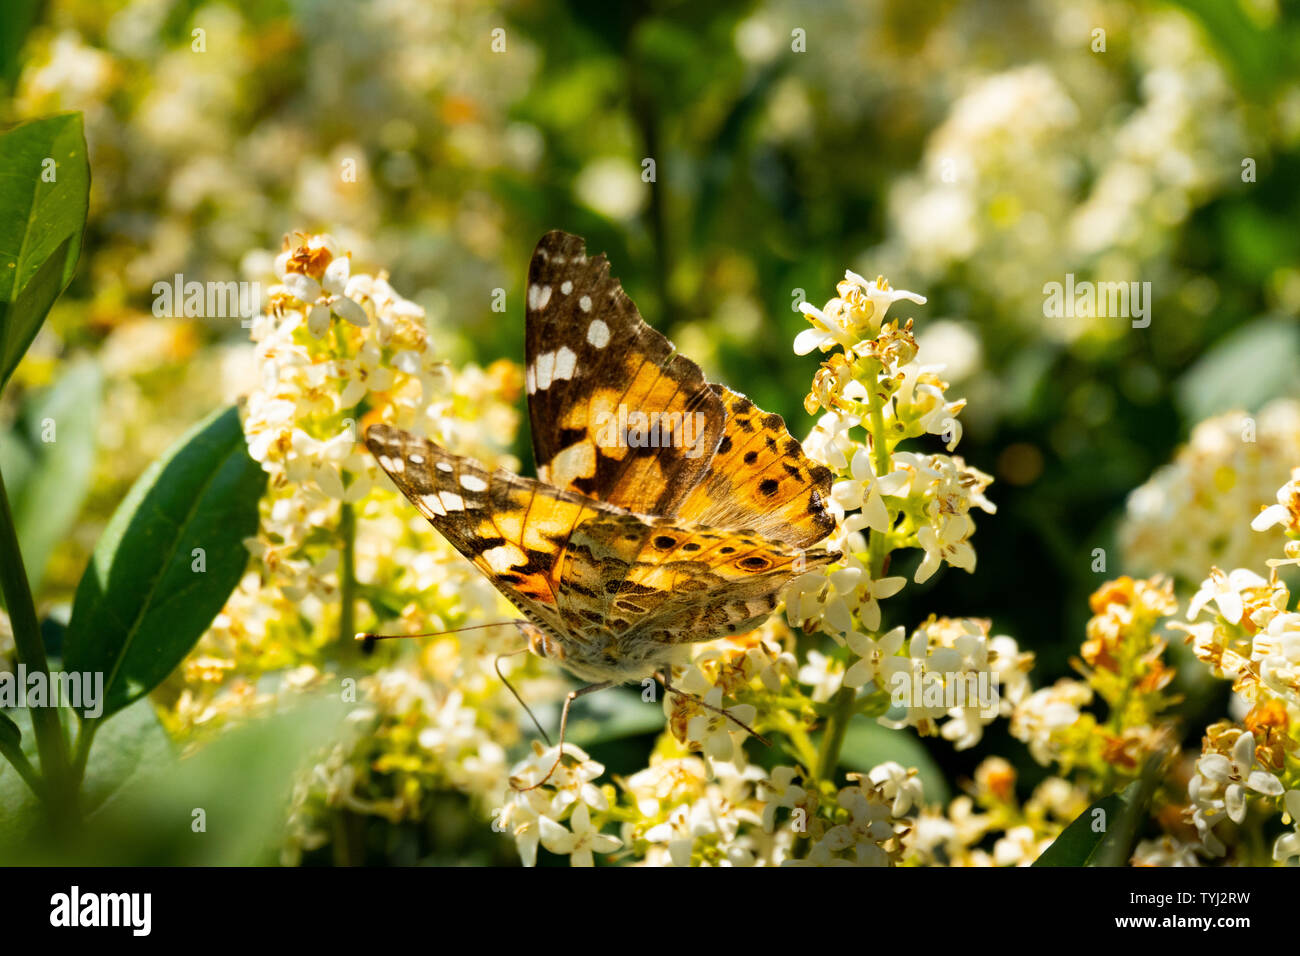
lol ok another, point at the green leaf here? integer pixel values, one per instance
(1079, 843)
(41, 223)
(1106, 838)
(1243, 371)
(141, 605)
(141, 796)
(48, 460)
(867, 743)
(132, 748)
(242, 781)
(20, 17)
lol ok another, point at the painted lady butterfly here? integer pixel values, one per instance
(666, 510)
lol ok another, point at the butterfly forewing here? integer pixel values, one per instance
(616, 413)
(760, 479)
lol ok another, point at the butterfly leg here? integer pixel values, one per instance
(569, 698)
(662, 677)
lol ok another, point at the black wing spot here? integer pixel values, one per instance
(769, 486)
(691, 546)
(663, 542)
(570, 436)
(751, 457)
(754, 563)
(724, 446)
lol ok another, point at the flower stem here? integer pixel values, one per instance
(837, 726)
(51, 744)
(348, 581)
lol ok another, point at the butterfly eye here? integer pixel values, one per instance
(541, 644)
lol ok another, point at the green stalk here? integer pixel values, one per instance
(348, 581)
(837, 726)
(85, 737)
(24, 767)
(51, 744)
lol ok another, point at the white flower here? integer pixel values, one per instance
(871, 655)
(1167, 851)
(1225, 590)
(865, 491)
(845, 323)
(900, 785)
(580, 841)
(713, 732)
(822, 674)
(1288, 844)
(1236, 775)
(780, 790)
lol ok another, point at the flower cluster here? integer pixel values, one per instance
(874, 396)
(1246, 630)
(1122, 663)
(1196, 512)
(339, 550)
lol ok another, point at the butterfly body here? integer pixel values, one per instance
(666, 510)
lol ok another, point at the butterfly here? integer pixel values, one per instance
(666, 510)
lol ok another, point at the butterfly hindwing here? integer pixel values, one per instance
(616, 413)
(660, 582)
(761, 480)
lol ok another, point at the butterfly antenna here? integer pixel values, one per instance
(369, 636)
(663, 679)
(510, 687)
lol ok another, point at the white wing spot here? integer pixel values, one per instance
(452, 501)
(566, 287)
(565, 362)
(417, 459)
(585, 303)
(598, 333)
(530, 380)
(472, 483)
(545, 369)
(576, 461)
(445, 466)
(538, 296)
(434, 503)
(504, 557)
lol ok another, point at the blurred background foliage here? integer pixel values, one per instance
(970, 151)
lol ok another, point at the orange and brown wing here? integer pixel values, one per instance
(761, 480)
(593, 368)
(514, 529)
(667, 583)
